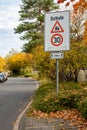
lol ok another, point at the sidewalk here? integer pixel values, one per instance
(32, 123)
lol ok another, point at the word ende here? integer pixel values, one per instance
(58, 55)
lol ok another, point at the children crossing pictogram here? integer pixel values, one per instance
(57, 28)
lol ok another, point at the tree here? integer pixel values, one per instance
(2, 64)
(76, 58)
(44, 64)
(77, 28)
(17, 62)
(73, 61)
(11, 52)
(81, 7)
(69, 66)
(78, 19)
(32, 26)
(32, 17)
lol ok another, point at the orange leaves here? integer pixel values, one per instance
(80, 5)
(67, 3)
(81, 8)
(60, 1)
(72, 115)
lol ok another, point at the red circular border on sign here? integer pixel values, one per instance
(53, 42)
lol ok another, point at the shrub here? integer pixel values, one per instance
(44, 89)
(69, 101)
(82, 106)
(48, 103)
(71, 95)
(42, 102)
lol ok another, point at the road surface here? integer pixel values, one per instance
(14, 96)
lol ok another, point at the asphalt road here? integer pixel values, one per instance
(14, 96)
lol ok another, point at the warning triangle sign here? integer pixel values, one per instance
(57, 28)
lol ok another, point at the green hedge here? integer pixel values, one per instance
(82, 106)
(71, 95)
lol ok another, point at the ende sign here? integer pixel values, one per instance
(57, 30)
(57, 55)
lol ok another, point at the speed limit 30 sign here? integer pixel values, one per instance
(56, 40)
(57, 30)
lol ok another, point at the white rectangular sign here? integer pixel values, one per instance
(57, 31)
(57, 55)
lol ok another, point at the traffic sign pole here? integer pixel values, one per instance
(57, 77)
(57, 36)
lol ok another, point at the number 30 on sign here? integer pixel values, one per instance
(56, 40)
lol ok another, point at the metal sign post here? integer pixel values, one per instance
(57, 56)
(57, 36)
(57, 77)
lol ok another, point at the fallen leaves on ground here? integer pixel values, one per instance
(72, 115)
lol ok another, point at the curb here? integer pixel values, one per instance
(17, 122)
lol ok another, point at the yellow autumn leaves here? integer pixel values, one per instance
(2, 64)
(15, 62)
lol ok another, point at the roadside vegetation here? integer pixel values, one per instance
(33, 58)
(71, 95)
(69, 104)
(34, 62)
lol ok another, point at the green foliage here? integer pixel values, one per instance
(69, 66)
(48, 104)
(45, 88)
(41, 100)
(27, 71)
(73, 61)
(82, 106)
(70, 95)
(32, 28)
(45, 65)
(32, 17)
(69, 101)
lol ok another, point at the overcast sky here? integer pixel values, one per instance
(8, 21)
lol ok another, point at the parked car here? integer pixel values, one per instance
(3, 77)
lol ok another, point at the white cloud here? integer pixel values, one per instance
(8, 20)
(9, 16)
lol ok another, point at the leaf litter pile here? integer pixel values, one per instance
(45, 96)
(72, 115)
